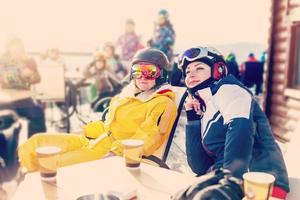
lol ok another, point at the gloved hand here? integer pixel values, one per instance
(204, 181)
(227, 189)
(215, 185)
(192, 108)
(93, 129)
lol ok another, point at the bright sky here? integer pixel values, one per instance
(82, 25)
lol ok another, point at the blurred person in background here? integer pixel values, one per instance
(164, 35)
(129, 42)
(263, 57)
(113, 61)
(252, 73)
(106, 83)
(232, 65)
(20, 73)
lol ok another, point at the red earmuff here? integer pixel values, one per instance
(220, 70)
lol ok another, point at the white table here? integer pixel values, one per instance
(103, 175)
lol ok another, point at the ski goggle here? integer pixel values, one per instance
(195, 53)
(191, 55)
(147, 71)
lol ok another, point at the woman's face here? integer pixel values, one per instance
(108, 52)
(144, 84)
(99, 64)
(196, 73)
(161, 20)
(129, 28)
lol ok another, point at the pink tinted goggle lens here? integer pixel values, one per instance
(150, 72)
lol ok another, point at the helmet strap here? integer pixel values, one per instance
(200, 86)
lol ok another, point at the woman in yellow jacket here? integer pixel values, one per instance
(145, 109)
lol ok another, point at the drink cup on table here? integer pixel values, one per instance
(132, 152)
(47, 157)
(258, 185)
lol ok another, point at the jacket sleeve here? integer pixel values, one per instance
(113, 79)
(235, 105)
(155, 129)
(87, 72)
(93, 129)
(197, 158)
(168, 38)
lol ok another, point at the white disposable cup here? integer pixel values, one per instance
(132, 152)
(47, 157)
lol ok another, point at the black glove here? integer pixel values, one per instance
(191, 115)
(204, 181)
(227, 189)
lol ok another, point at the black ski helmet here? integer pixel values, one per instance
(208, 55)
(156, 57)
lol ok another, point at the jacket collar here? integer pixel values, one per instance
(130, 91)
(205, 94)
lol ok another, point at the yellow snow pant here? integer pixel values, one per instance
(75, 149)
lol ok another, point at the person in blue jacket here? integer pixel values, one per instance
(226, 127)
(164, 34)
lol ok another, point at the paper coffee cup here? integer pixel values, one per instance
(258, 185)
(132, 152)
(47, 157)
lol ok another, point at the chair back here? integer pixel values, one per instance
(52, 84)
(161, 155)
